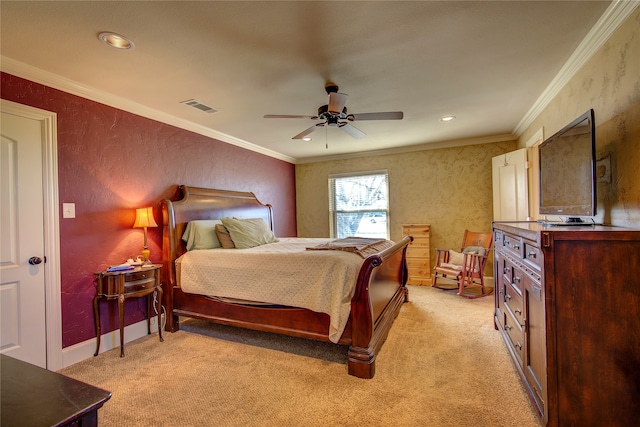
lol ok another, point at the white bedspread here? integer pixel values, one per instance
(277, 273)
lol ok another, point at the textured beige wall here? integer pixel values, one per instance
(610, 84)
(449, 188)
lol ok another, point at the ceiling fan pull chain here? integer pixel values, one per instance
(326, 137)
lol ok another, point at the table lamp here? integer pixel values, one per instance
(144, 219)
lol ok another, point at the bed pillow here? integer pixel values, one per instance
(224, 237)
(201, 234)
(248, 233)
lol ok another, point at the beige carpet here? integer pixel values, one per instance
(443, 364)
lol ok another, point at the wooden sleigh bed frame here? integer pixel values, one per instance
(379, 294)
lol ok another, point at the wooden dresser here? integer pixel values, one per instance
(568, 307)
(418, 255)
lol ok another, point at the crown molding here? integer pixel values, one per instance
(55, 81)
(617, 12)
(413, 148)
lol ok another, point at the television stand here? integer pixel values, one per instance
(574, 220)
(571, 221)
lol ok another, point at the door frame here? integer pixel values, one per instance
(53, 299)
(534, 173)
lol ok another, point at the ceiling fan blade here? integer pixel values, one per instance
(351, 130)
(390, 115)
(337, 102)
(286, 116)
(308, 131)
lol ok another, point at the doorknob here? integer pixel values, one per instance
(34, 260)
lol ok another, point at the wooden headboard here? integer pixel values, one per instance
(203, 203)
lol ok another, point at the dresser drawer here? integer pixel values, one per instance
(140, 275)
(512, 244)
(416, 230)
(507, 269)
(419, 264)
(532, 255)
(111, 284)
(417, 252)
(138, 285)
(419, 242)
(513, 303)
(514, 332)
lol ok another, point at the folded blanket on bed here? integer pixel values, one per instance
(360, 245)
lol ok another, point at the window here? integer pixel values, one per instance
(359, 205)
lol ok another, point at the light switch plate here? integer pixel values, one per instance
(68, 210)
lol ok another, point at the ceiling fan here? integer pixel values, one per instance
(335, 114)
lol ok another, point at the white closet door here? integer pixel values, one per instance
(510, 198)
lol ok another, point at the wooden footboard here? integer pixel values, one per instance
(379, 294)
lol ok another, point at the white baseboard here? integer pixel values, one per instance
(84, 350)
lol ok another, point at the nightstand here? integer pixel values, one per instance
(120, 285)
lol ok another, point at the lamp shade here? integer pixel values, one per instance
(144, 218)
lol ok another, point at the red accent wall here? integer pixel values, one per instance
(110, 162)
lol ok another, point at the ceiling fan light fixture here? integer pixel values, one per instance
(116, 41)
(307, 138)
(333, 112)
(447, 118)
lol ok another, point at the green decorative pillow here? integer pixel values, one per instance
(248, 233)
(201, 234)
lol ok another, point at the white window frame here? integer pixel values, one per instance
(333, 212)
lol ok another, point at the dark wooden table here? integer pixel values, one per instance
(33, 396)
(120, 285)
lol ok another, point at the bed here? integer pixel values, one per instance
(378, 294)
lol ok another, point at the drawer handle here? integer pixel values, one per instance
(517, 279)
(518, 345)
(518, 311)
(507, 296)
(508, 327)
(531, 254)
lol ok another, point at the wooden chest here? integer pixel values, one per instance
(418, 254)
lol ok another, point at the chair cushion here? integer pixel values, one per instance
(456, 267)
(475, 250)
(455, 258)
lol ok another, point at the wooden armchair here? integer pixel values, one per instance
(465, 268)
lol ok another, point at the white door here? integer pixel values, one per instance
(22, 285)
(510, 199)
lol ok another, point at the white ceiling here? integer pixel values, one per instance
(485, 62)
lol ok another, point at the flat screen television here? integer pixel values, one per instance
(568, 172)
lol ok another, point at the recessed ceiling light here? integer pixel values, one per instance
(447, 118)
(116, 40)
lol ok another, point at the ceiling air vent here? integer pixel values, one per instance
(200, 106)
